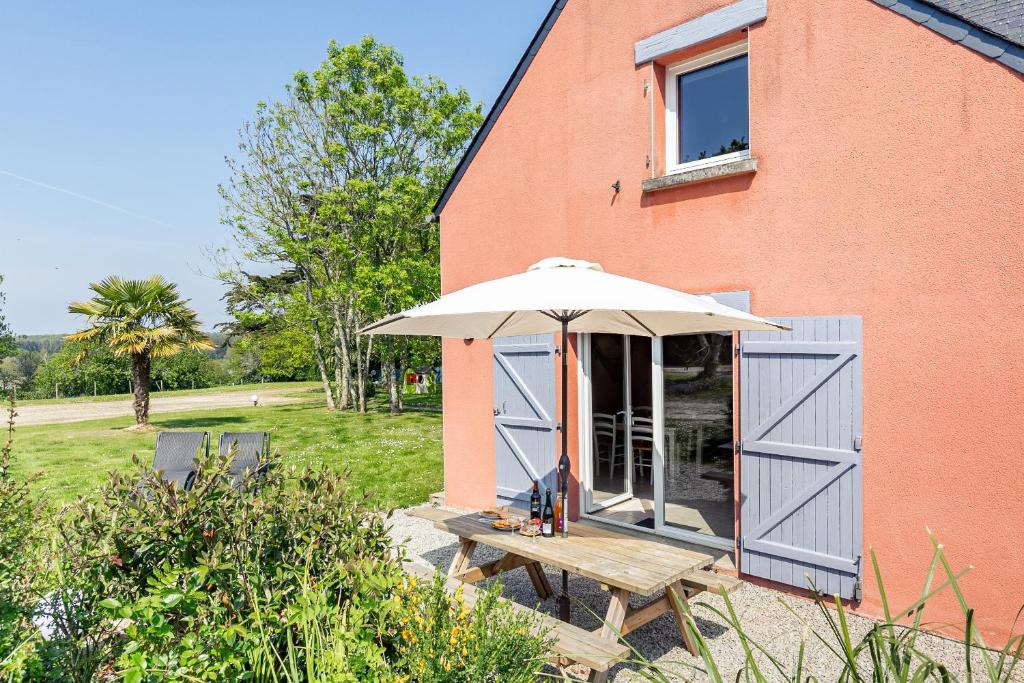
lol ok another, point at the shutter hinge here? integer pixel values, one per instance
(736, 350)
(739, 446)
(858, 590)
(858, 443)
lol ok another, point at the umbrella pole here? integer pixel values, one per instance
(563, 465)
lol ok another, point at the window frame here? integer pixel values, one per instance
(672, 114)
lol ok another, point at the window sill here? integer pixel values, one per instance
(700, 175)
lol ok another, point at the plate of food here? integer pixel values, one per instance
(530, 530)
(510, 524)
(493, 513)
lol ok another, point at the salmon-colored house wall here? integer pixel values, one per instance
(890, 185)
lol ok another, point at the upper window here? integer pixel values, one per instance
(707, 117)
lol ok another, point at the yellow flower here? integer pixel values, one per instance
(464, 653)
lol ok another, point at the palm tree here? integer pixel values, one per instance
(141, 319)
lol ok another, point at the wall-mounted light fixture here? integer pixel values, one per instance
(617, 186)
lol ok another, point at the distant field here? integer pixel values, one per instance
(398, 458)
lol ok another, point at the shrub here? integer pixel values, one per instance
(21, 566)
(163, 585)
(442, 640)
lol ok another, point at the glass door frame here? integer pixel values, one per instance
(658, 407)
(586, 446)
(658, 459)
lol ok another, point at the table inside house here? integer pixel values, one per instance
(626, 565)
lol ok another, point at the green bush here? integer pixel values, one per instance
(21, 567)
(161, 585)
(443, 640)
(187, 369)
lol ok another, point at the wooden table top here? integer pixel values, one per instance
(637, 564)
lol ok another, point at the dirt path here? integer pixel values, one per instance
(53, 413)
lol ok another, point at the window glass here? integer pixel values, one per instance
(713, 117)
(699, 475)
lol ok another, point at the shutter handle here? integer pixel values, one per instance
(497, 412)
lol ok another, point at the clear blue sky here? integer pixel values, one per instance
(134, 105)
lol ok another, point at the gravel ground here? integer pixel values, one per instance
(763, 613)
(54, 413)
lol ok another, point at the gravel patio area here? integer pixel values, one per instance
(766, 619)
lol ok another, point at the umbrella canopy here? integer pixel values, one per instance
(555, 289)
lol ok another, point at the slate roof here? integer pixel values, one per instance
(960, 27)
(994, 28)
(1005, 18)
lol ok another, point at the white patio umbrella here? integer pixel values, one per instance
(566, 295)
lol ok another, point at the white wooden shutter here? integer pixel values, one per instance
(800, 454)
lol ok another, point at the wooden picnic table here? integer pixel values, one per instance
(626, 565)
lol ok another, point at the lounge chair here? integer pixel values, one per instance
(253, 452)
(175, 456)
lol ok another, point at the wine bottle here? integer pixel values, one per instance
(547, 527)
(558, 512)
(535, 502)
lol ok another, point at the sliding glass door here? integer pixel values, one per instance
(694, 483)
(657, 426)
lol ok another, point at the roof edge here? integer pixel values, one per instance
(959, 30)
(499, 104)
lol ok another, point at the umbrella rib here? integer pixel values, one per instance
(509, 316)
(637, 321)
(381, 323)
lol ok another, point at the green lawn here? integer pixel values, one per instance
(397, 458)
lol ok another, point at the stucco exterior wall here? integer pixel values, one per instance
(889, 186)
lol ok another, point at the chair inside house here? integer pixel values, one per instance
(175, 456)
(253, 450)
(643, 411)
(605, 443)
(642, 433)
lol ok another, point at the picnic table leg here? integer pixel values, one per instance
(539, 580)
(617, 608)
(462, 558)
(680, 594)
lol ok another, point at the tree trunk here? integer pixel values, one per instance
(392, 382)
(341, 396)
(140, 387)
(714, 352)
(318, 344)
(362, 369)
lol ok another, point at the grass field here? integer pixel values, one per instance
(398, 458)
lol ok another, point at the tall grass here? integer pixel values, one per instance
(887, 653)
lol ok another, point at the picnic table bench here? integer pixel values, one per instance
(625, 565)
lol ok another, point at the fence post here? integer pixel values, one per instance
(94, 393)
(56, 390)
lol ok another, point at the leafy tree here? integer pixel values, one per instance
(188, 369)
(7, 345)
(140, 320)
(81, 368)
(336, 186)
